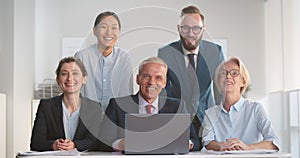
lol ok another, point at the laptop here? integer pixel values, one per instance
(157, 134)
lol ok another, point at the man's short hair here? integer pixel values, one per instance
(156, 60)
(191, 10)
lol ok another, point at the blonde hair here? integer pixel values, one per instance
(243, 72)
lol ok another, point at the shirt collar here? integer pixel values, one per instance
(186, 52)
(99, 54)
(66, 111)
(237, 106)
(143, 102)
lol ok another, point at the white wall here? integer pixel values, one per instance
(2, 125)
(17, 69)
(274, 45)
(282, 47)
(282, 44)
(291, 47)
(6, 65)
(32, 55)
(147, 25)
(23, 60)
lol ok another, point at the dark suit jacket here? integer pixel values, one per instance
(199, 97)
(114, 122)
(48, 124)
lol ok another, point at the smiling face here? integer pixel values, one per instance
(70, 78)
(107, 32)
(230, 80)
(190, 40)
(151, 79)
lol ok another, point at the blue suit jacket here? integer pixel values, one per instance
(198, 96)
(114, 122)
(48, 124)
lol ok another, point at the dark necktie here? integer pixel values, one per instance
(191, 60)
(148, 108)
(191, 71)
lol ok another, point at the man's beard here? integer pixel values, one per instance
(189, 46)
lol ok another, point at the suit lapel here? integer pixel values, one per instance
(162, 105)
(80, 130)
(202, 70)
(165, 106)
(182, 70)
(132, 104)
(58, 116)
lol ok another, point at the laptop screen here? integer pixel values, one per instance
(157, 134)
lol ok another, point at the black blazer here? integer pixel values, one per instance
(48, 124)
(118, 107)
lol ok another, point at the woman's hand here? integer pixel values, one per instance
(236, 144)
(63, 144)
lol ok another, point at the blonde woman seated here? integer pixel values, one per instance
(238, 123)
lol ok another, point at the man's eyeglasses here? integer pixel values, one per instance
(233, 73)
(186, 29)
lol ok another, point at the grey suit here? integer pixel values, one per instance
(197, 89)
(198, 96)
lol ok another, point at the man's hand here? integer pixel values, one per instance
(121, 145)
(191, 145)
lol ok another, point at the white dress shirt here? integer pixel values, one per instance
(70, 121)
(186, 58)
(142, 110)
(143, 103)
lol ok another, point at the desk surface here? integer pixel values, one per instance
(189, 155)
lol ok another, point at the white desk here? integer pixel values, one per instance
(189, 155)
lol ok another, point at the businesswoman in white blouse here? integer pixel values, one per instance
(67, 121)
(238, 123)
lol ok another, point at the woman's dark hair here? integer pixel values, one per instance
(69, 60)
(107, 13)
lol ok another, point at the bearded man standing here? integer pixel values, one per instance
(191, 66)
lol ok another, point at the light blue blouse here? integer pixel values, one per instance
(108, 77)
(246, 120)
